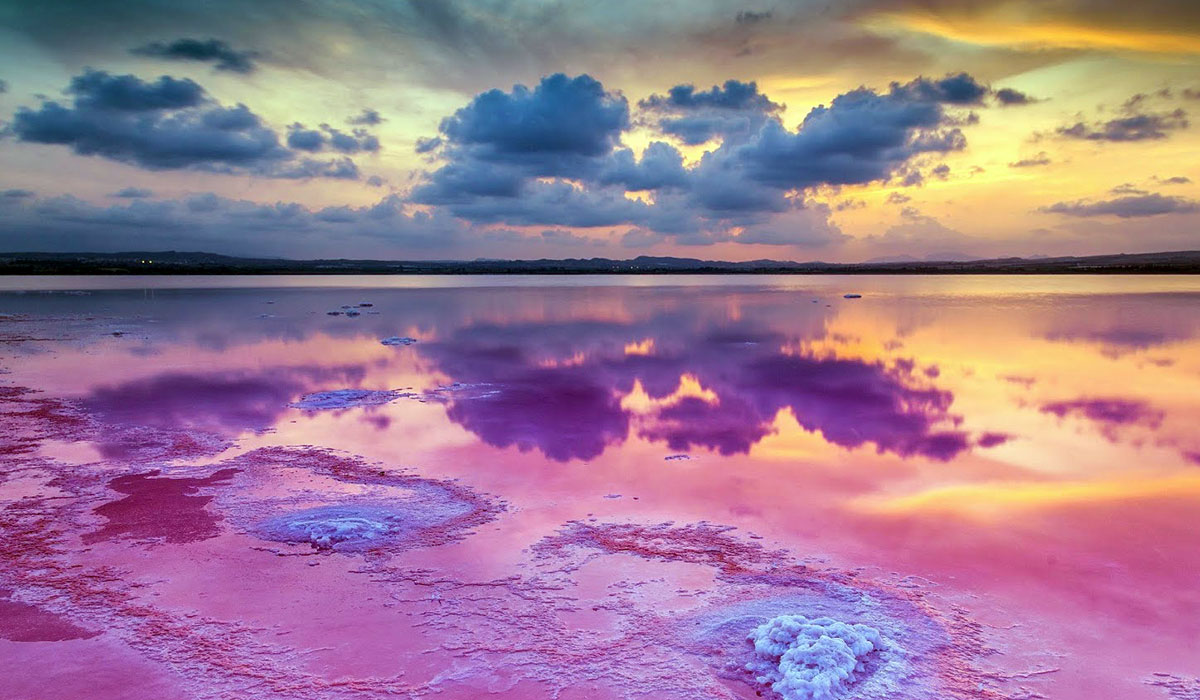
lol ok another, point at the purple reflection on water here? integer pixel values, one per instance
(225, 403)
(574, 410)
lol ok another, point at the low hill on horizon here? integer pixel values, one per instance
(184, 263)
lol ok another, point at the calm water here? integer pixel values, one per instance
(598, 487)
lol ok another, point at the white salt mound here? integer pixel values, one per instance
(811, 659)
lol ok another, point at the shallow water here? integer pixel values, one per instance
(599, 487)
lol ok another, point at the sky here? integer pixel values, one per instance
(424, 129)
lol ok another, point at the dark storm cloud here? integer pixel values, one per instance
(167, 124)
(219, 53)
(1126, 207)
(1134, 127)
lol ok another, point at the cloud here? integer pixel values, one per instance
(1108, 413)
(661, 166)
(1176, 180)
(166, 124)
(734, 109)
(861, 137)
(1125, 207)
(17, 194)
(132, 193)
(368, 117)
(552, 155)
(326, 137)
(222, 55)
(1008, 97)
(1134, 127)
(548, 128)
(958, 89)
(751, 17)
(806, 225)
(219, 224)
(428, 145)
(1032, 162)
(3, 86)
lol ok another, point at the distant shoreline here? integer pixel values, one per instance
(195, 263)
(671, 273)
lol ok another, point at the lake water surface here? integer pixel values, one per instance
(600, 487)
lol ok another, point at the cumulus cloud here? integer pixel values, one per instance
(220, 54)
(503, 146)
(547, 128)
(552, 155)
(1125, 207)
(166, 124)
(960, 89)
(696, 117)
(862, 136)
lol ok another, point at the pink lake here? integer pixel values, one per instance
(600, 487)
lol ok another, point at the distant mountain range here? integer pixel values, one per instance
(184, 263)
